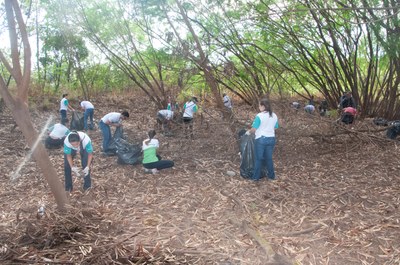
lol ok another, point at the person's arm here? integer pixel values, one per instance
(69, 106)
(90, 157)
(255, 125)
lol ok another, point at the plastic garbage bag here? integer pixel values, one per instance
(77, 123)
(127, 153)
(112, 146)
(394, 130)
(247, 155)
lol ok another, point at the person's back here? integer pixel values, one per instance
(309, 109)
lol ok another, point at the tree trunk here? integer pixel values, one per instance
(21, 115)
(18, 104)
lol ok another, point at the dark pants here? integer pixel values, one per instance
(188, 127)
(51, 143)
(161, 120)
(106, 131)
(160, 164)
(88, 114)
(87, 183)
(347, 118)
(63, 114)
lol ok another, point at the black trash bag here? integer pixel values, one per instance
(127, 153)
(394, 130)
(112, 146)
(247, 155)
(77, 123)
(380, 122)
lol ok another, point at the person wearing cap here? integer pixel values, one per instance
(57, 134)
(164, 118)
(111, 119)
(189, 109)
(77, 142)
(64, 107)
(88, 109)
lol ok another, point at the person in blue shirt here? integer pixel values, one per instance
(77, 142)
(263, 127)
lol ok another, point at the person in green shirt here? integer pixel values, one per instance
(152, 162)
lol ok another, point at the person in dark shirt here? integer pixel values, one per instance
(346, 101)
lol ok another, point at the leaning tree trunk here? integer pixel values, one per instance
(18, 104)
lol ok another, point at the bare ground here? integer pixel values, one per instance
(335, 201)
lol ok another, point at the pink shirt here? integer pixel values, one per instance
(350, 110)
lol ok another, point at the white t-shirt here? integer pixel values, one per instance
(87, 105)
(168, 114)
(309, 108)
(86, 143)
(58, 131)
(64, 104)
(227, 102)
(112, 117)
(153, 143)
(190, 108)
(265, 124)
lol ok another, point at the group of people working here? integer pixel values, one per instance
(79, 141)
(347, 107)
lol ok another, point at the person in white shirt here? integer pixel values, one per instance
(77, 142)
(164, 118)
(57, 134)
(227, 101)
(88, 109)
(189, 109)
(264, 126)
(64, 106)
(111, 119)
(310, 109)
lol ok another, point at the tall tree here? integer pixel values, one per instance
(18, 103)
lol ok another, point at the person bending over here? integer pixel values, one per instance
(111, 119)
(57, 134)
(77, 142)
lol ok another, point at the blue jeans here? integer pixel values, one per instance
(264, 148)
(88, 114)
(63, 114)
(87, 182)
(106, 131)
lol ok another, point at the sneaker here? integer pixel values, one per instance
(148, 171)
(154, 171)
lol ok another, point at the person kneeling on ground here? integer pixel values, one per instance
(77, 142)
(57, 134)
(348, 115)
(151, 161)
(164, 118)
